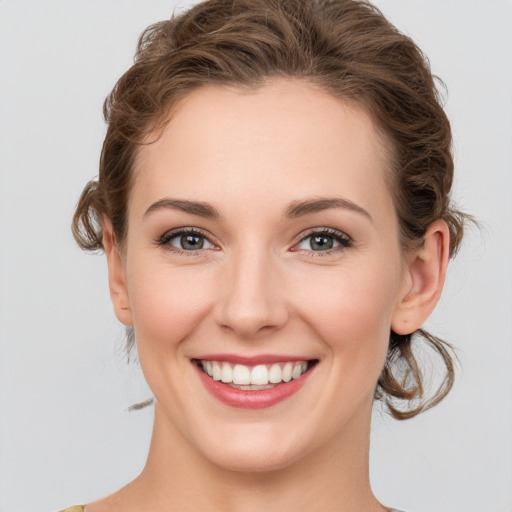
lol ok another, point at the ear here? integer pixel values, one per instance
(426, 269)
(116, 276)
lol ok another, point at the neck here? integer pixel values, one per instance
(177, 477)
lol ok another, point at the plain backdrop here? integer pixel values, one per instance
(66, 436)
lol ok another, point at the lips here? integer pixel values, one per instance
(257, 383)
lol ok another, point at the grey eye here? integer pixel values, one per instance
(324, 241)
(187, 241)
(190, 242)
(321, 242)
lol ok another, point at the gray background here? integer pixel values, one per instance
(65, 434)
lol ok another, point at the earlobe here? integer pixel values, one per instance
(426, 274)
(116, 276)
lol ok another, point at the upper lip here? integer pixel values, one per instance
(253, 360)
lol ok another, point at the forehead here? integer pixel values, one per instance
(284, 139)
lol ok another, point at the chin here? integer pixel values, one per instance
(256, 448)
(252, 460)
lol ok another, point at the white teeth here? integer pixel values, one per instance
(259, 375)
(241, 375)
(287, 372)
(226, 374)
(216, 370)
(275, 374)
(297, 371)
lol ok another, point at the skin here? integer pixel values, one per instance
(257, 287)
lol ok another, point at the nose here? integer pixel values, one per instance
(252, 299)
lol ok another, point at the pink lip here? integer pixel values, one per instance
(252, 360)
(252, 399)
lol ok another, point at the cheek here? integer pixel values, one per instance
(351, 310)
(167, 303)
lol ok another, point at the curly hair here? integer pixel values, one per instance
(347, 48)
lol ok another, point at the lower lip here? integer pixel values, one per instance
(251, 399)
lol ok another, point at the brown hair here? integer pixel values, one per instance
(350, 50)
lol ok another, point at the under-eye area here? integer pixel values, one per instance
(260, 376)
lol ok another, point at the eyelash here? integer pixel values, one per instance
(341, 238)
(166, 239)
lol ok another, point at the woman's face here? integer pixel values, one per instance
(262, 242)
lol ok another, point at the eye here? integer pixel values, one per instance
(325, 240)
(186, 240)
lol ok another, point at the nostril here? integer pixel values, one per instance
(248, 326)
(250, 301)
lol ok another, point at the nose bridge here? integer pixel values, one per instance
(252, 300)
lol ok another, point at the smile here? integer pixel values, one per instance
(260, 376)
(253, 386)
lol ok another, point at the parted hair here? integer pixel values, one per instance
(345, 47)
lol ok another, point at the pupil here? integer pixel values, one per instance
(192, 242)
(321, 242)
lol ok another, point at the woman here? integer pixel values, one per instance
(274, 205)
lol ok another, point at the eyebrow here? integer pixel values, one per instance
(193, 207)
(315, 205)
(295, 209)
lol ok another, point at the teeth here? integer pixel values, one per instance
(259, 375)
(275, 374)
(287, 372)
(241, 374)
(216, 371)
(226, 374)
(297, 371)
